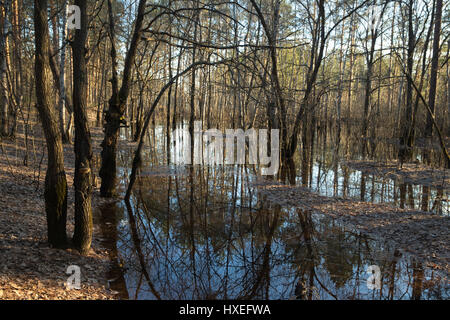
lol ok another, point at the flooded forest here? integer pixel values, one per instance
(244, 149)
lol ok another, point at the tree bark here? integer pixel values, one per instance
(62, 78)
(4, 104)
(82, 237)
(317, 52)
(55, 181)
(114, 115)
(407, 138)
(433, 75)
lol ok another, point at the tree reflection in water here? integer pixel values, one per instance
(206, 233)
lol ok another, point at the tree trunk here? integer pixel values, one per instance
(55, 181)
(433, 75)
(62, 78)
(317, 52)
(407, 138)
(114, 115)
(83, 151)
(193, 86)
(368, 93)
(3, 68)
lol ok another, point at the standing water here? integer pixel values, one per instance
(204, 232)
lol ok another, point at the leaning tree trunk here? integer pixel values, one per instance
(82, 237)
(433, 75)
(407, 139)
(271, 36)
(55, 180)
(317, 52)
(116, 110)
(59, 83)
(62, 79)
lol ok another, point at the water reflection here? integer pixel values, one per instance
(320, 166)
(216, 239)
(206, 233)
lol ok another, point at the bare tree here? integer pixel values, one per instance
(4, 31)
(434, 72)
(55, 180)
(116, 110)
(83, 151)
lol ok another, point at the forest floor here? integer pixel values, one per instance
(420, 234)
(410, 173)
(29, 268)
